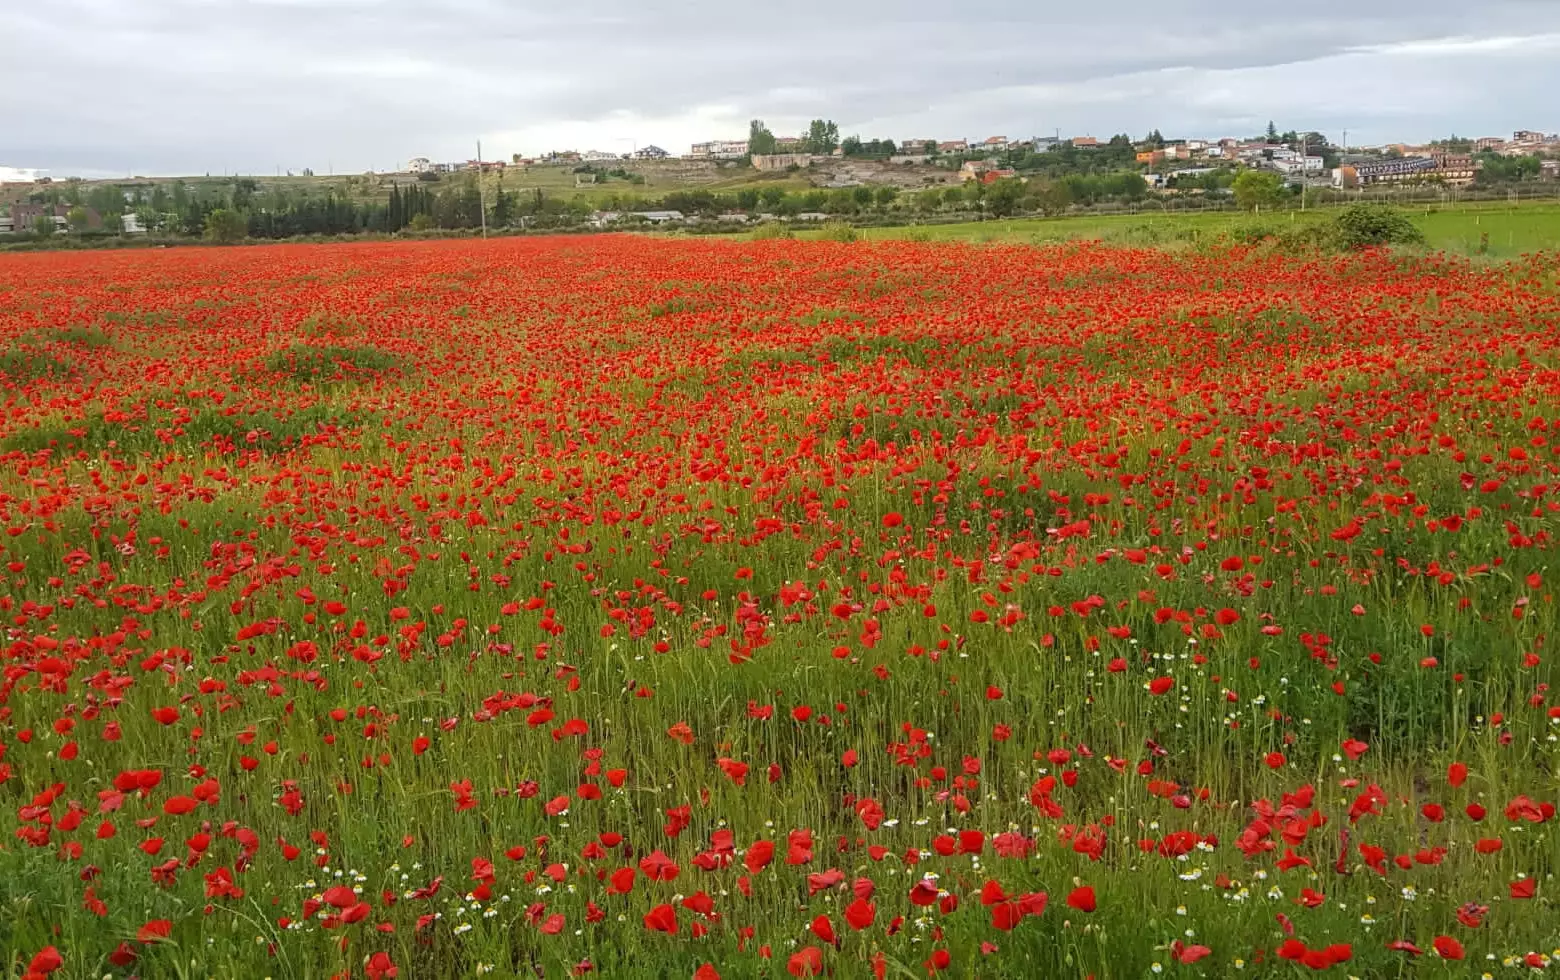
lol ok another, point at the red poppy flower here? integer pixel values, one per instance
(806, 962)
(662, 918)
(1081, 898)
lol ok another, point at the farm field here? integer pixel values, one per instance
(1513, 229)
(671, 608)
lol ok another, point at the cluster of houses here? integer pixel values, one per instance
(1386, 164)
(1523, 143)
(609, 219)
(24, 218)
(1406, 163)
(1454, 169)
(423, 165)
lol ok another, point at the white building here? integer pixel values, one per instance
(651, 152)
(599, 156)
(601, 219)
(420, 165)
(719, 150)
(1295, 165)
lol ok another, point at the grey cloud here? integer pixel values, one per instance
(198, 85)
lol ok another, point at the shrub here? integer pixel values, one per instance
(838, 231)
(772, 230)
(225, 227)
(1369, 225)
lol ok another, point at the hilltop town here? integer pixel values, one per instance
(1316, 159)
(810, 177)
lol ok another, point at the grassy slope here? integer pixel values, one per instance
(1513, 230)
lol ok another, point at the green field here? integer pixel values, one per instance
(1513, 229)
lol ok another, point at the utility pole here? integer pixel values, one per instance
(1304, 142)
(481, 193)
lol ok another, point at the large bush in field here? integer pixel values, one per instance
(1371, 225)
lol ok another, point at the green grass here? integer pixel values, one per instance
(1512, 229)
(24, 364)
(303, 362)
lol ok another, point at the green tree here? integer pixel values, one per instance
(822, 136)
(1002, 196)
(77, 219)
(226, 226)
(1497, 169)
(1272, 132)
(150, 218)
(43, 225)
(397, 217)
(1257, 189)
(1053, 198)
(974, 192)
(851, 146)
(761, 142)
(503, 207)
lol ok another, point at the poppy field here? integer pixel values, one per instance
(632, 607)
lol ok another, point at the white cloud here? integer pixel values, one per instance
(1445, 46)
(197, 86)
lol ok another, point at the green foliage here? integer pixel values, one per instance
(770, 230)
(1095, 187)
(838, 231)
(26, 364)
(823, 136)
(1256, 190)
(330, 325)
(761, 142)
(878, 149)
(92, 337)
(1003, 196)
(226, 227)
(201, 428)
(1367, 225)
(308, 363)
(677, 304)
(1497, 169)
(43, 226)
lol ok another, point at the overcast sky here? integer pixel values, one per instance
(117, 87)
